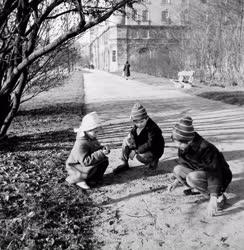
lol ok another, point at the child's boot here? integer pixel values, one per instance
(153, 165)
(121, 168)
(83, 185)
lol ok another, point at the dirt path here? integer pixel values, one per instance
(138, 213)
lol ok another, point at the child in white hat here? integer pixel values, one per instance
(201, 165)
(88, 160)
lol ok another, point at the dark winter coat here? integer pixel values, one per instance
(202, 155)
(150, 139)
(127, 69)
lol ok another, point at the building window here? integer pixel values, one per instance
(184, 17)
(145, 33)
(145, 15)
(113, 55)
(143, 50)
(134, 34)
(165, 16)
(134, 15)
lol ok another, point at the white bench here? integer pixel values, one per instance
(185, 79)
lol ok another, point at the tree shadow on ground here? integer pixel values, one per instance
(235, 199)
(233, 155)
(140, 173)
(85, 71)
(235, 204)
(164, 169)
(125, 198)
(38, 141)
(57, 109)
(230, 97)
(210, 119)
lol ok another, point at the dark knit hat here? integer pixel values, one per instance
(138, 112)
(183, 130)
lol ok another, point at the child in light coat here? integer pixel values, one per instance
(88, 160)
(144, 141)
(201, 166)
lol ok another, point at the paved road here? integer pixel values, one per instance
(113, 96)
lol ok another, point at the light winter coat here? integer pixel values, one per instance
(86, 154)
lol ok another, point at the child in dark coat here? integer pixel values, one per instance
(88, 160)
(145, 141)
(201, 165)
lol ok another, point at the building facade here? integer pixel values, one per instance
(149, 26)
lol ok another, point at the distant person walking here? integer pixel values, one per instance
(126, 70)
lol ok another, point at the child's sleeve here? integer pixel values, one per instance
(88, 159)
(210, 158)
(152, 139)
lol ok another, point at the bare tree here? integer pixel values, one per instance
(32, 29)
(214, 43)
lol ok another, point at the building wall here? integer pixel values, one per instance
(121, 38)
(120, 43)
(155, 9)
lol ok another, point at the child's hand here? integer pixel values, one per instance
(212, 206)
(106, 150)
(132, 154)
(130, 142)
(172, 186)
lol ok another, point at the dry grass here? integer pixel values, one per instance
(37, 209)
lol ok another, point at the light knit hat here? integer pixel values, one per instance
(138, 112)
(184, 130)
(89, 122)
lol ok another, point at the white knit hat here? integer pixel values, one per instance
(89, 122)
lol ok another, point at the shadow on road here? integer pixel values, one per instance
(235, 204)
(125, 198)
(230, 97)
(210, 120)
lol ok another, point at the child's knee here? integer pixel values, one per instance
(192, 179)
(145, 158)
(177, 170)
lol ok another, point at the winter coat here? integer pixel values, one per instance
(149, 139)
(87, 153)
(127, 69)
(202, 155)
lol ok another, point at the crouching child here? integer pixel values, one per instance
(88, 160)
(201, 166)
(144, 141)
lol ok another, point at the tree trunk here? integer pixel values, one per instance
(11, 106)
(5, 104)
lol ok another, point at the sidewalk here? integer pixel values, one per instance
(137, 211)
(113, 96)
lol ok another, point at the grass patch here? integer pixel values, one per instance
(230, 97)
(38, 210)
